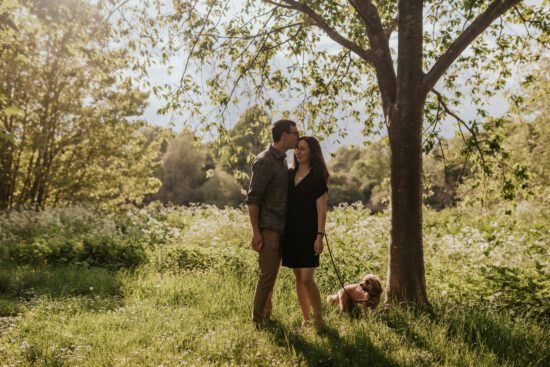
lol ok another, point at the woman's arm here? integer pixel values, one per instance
(321, 204)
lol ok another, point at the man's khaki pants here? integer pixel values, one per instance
(270, 261)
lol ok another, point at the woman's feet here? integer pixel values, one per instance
(306, 323)
(319, 325)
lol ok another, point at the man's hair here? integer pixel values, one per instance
(280, 127)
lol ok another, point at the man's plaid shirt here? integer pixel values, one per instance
(268, 188)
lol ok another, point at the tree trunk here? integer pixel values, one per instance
(406, 280)
(6, 155)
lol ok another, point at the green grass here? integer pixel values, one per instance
(189, 303)
(203, 318)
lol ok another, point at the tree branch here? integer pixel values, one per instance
(525, 21)
(260, 34)
(366, 55)
(251, 63)
(482, 22)
(390, 28)
(197, 39)
(370, 16)
(115, 9)
(378, 40)
(375, 30)
(279, 4)
(463, 123)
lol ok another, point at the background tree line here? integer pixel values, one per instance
(69, 133)
(361, 174)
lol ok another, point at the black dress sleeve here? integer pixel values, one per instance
(320, 187)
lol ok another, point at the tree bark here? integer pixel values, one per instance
(6, 160)
(7, 151)
(406, 275)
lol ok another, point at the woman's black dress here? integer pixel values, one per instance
(301, 221)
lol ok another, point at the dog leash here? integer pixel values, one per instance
(337, 272)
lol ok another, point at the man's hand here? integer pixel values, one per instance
(257, 242)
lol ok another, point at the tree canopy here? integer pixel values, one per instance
(314, 59)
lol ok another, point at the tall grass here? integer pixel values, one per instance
(188, 302)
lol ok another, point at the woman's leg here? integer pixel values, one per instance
(302, 293)
(314, 295)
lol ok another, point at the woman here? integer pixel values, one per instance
(305, 224)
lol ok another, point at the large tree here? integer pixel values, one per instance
(67, 112)
(323, 59)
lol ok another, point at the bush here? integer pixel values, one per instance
(72, 235)
(515, 288)
(111, 253)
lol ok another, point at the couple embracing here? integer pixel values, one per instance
(287, 209)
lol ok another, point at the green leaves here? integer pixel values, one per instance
(68, 112)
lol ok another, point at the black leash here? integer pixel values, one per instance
(336, 270)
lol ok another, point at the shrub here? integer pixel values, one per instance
(111, 253)
(71, 235)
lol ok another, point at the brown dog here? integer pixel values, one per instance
(367, 293)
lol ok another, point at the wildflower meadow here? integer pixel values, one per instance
(172, 286)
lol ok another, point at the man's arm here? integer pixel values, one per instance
(254, 214)
(261, 175)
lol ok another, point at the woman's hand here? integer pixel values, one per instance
(318, 246)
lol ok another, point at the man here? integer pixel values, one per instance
(266, 200)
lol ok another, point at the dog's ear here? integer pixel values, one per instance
(376, 286)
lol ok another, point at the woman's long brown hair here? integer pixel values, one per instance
(317, 162)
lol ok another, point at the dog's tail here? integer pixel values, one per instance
(332, 299)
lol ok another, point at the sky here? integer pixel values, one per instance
(497, 106)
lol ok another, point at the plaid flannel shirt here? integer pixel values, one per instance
(268, 188)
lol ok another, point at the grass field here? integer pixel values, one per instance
(181, 295)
